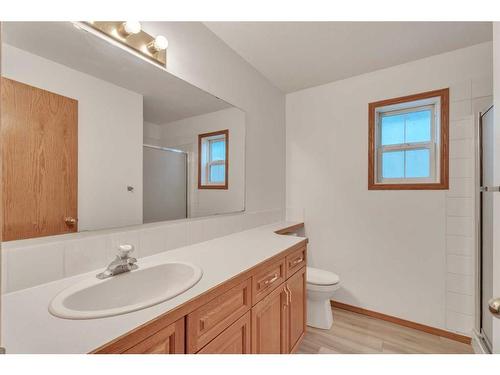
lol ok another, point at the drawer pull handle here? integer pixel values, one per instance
(297, 261)
(271, 280)
(287, 296)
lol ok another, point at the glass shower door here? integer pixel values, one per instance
(487, 195)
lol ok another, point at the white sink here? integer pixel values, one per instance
(93, 298)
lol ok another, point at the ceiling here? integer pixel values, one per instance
(297, 55)
(166, 97)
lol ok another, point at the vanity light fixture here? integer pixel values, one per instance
(131, 35)
(160, 43)
(130, 28)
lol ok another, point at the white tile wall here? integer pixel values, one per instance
(34, 265)
(461, 284)
(460, 206)
(460, 245)
(32, 262)
(461, 187)
(460, 264)
(459, 322)
(460, 109)
(460, 302)
(467, 98)
(461, 129)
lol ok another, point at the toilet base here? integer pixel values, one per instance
(319, 314)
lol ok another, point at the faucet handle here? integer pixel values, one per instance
(124, 250)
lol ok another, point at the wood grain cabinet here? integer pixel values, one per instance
(296, 310)
(269, 323)
(279, 320)
(234, 340)
(262, 310)
(169, 340)
(208, 321)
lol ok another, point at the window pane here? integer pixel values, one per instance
(393, 164)
(392, 129)
(418, 163)
(218, 149)
(418, 126)
(217, 173)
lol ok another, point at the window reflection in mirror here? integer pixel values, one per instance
(213, 152)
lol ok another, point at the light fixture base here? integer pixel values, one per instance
(138, 42)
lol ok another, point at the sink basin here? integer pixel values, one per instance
(131, 291)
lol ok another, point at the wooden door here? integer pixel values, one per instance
(234, 340)
(39, 140)
(169, 340)
(296, 309)
(269, 326)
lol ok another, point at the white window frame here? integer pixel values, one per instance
(205, 161)
(434, 104)
(210, 163)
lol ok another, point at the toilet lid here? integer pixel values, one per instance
(321, 277)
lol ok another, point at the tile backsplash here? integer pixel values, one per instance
(28, 263)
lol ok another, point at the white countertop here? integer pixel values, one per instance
(28, 327)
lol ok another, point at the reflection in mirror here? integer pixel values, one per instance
(94, 136)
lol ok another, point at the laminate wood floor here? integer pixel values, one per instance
(354, 333)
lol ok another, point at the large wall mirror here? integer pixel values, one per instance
(94, 137)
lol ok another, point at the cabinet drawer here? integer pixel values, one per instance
(295, 261)
(234, 340)
(206, 322)
(267, 280)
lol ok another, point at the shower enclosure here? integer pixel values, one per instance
(164, 184)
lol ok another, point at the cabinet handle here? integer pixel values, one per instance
(271, 280)
(287, 295)
(290, 293)
(297, 261)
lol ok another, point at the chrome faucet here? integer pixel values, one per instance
(122, 263)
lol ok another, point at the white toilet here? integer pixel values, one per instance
(321, 286)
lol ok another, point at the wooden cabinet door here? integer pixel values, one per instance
(234, 340)
(269, 326)
(169, 340)
(39, 131)
(296, 308)
(209, 320)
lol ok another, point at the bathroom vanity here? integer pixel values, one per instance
(261, 310)
(250, 299)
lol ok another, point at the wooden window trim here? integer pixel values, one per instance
(225, 186)
(443, 183)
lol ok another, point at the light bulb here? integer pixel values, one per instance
(159, 44)
(131, 27)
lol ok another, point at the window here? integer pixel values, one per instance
(213, 160)
(408, 142)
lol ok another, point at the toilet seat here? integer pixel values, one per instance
(319, 277)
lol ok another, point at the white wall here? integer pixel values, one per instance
(152, 134)
(110, 124)
(183, 135)
(404, 253)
